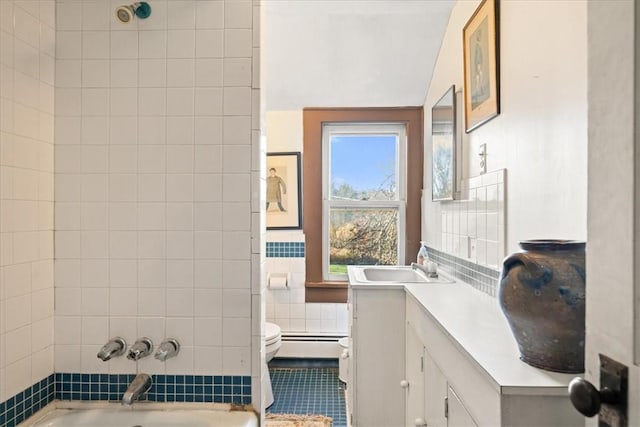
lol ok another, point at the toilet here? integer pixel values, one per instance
(272, 343)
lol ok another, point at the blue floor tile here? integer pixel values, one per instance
(303, 391)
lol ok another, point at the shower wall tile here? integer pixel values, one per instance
(153, 193)
(27, 104)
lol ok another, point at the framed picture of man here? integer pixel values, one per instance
(283, 198)
(480, 38)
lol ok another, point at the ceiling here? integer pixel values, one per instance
(350, 53)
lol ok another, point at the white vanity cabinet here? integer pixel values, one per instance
(430, 401)
(471, 373)
(377, 356)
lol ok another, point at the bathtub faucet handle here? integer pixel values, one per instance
(115, 347)
(168, 348)
(141, 348)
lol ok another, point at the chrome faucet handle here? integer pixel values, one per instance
(168, 348)
(141, 348)
(115, 347)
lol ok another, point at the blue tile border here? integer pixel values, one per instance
(483, 278)
(285, 250)
(24, 404)
(165, 388)
(111, 387)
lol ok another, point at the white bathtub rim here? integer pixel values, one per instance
(137, 406)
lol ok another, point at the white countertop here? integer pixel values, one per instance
(475, 323)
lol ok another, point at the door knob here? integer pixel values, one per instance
(587, 399)
(404, 384)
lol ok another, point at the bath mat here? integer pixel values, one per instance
(292, 420)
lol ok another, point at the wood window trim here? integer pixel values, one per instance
(317, 289)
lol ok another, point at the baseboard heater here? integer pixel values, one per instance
(310, 346)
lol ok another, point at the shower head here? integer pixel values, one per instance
(126, 13)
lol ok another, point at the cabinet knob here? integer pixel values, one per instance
(419, 422)
(587, 399)
(344, 354)
(404, 384)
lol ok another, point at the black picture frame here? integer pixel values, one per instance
(284, 191)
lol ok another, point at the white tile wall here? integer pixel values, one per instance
(474, 228)
(287, 308)
(155, 218)
(27, 40)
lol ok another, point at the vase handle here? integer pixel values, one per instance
(534, 275)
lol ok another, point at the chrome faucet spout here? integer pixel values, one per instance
(115, 347)
(139, 386)
(430, 268)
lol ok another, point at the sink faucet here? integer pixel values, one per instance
(139, 386)
(141, 348)
(430, 268)
(115, 347)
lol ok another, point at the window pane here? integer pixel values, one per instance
(362, 237)
(363, 167)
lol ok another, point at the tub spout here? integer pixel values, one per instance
(115, 347)
(139, 386)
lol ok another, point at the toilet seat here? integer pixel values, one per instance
(272, 333)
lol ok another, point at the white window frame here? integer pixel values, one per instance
(330, 129)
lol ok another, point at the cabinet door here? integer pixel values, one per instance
(414, 379)
(435, 393)
(457, 413)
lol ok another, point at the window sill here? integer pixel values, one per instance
(326, 291)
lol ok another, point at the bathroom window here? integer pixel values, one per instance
(362, 184)
(363, 196)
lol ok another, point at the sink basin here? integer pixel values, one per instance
(374, 274)
(394, 274)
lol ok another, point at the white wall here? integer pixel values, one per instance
(157, 185)
(540, 136)
(27, 36)
(287, 308)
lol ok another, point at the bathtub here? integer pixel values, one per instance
(141, 414)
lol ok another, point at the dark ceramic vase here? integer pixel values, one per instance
(542, 294)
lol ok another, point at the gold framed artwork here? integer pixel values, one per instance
(284, 196)
(480, 45)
